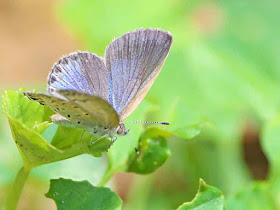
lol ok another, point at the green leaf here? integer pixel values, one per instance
(40, 128)
(37, 151)
(99, 147)
(207, 197)
(184, 123)
(187, 131)
(69, 194)
(153, 152)
(34, 149)
(28, 112)
(24, 124)
(255, 196)
(66, 137)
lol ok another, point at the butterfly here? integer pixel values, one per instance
(96, 94)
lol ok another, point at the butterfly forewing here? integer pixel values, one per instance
(82, 72)
(133, 62)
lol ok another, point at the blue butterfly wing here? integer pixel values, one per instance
(82, 72)
(133, 62)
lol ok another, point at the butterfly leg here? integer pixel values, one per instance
(101, 137)
(91, 143)
(83, 135)
(113, 139)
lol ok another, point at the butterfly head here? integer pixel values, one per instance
(121, 130)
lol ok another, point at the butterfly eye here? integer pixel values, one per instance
(120, 130)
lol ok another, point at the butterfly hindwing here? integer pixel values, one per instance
(69, 110)
(133, 62)
(98, 108)
(60, 120)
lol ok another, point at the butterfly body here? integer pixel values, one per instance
(120, 130)
(96, 94)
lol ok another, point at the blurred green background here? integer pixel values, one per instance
(223, 67)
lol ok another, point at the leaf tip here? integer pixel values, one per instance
(202, 182)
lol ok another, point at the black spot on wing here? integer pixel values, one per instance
(52, 79)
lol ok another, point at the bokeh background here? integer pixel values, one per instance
(223, 66)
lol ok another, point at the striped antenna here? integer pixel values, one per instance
(149, 122)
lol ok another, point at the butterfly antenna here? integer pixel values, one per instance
(132, 144)
(149, 122)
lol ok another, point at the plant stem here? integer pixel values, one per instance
(16, 189)
(109, 174)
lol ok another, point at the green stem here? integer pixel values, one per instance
(15, 191)
(107, 176)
